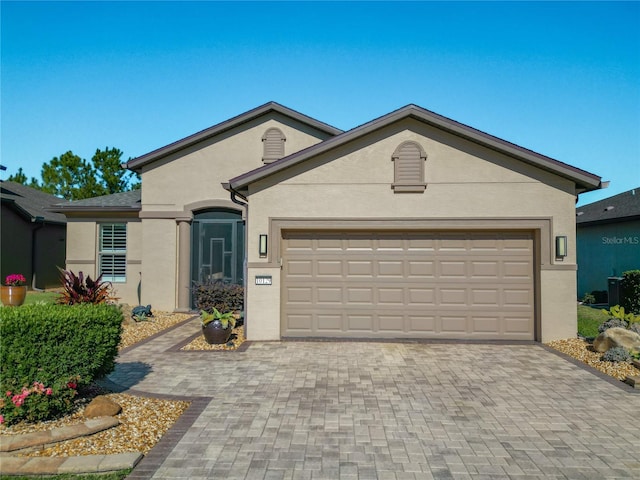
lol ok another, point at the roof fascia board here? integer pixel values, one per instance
(587, 180)
(137, 163)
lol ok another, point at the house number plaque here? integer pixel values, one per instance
(263, 280)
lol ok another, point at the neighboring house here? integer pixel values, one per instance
(608, 240)
(409, 226)
(33, 238)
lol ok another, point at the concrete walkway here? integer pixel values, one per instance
(366, 410)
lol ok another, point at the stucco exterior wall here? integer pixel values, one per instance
(175, 187)
(82, 253)
(464, 181)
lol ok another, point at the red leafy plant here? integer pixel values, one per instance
(81, 289)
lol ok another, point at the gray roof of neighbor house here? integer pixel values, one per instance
(137, 163)
(619, 208)
(30, 202)
(116, 202)
(584, 180)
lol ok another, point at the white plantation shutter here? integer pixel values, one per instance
(273, 144)
(113, 252)
(409, 159)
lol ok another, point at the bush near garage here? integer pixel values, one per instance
(630, 291)
(49, 352)
(223, 296)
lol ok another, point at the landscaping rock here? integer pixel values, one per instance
(617, 337)
(102, 407)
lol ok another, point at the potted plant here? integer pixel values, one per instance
(216, 326)
(14, 290)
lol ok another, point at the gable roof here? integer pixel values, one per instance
(619, 208)
(116, 202)
(137, 163)
(584, 180)
(30, 202)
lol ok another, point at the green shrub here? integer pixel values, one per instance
(221, 295)
(588, 299)
(616, 354)
(48, 352)
(630, 291)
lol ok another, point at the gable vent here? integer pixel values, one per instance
(273, 145)
(409, 160)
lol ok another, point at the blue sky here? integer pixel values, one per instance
(562, 79)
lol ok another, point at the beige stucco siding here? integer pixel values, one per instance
(196, 174)
(189, 180)
(464, 181)
(83, 251)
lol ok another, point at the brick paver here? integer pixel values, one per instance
(367, 410)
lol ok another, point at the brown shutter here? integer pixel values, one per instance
(273, 144)
(409, 159)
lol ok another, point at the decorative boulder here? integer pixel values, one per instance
(617, 337)
(101, 406)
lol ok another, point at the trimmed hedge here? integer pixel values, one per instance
(47, 352)
(630, 291)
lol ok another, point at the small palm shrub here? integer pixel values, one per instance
(81, 289)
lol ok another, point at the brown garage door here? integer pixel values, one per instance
(407, 284)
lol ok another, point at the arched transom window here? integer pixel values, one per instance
(409, 160)
(273, 144)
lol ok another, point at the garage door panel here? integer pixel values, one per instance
(362, 323)
(453, 296)
(330, 268)
(408, 284)
(360, 296)
(422, 297)
(453, 269)
(453, 324)
(391, 296)
(485, 297)
(425, 324)
(329, 323)
(388, 268)
(300, 295)
(299, 268)
(330, 295)
(390, 323)
(359, 268)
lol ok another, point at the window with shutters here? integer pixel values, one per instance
(409, 160)
(113, 252)
(273, 144)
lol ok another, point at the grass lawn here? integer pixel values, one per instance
(42, 297)
(589, 319)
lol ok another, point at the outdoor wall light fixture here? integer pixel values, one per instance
(262, 246)
(561, 247)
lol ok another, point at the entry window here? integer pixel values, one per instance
(113, 252)
(273, 144)
(409, 160)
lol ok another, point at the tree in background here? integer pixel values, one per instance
(21, 178)
(74, 178)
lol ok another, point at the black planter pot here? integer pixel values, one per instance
(215, 334)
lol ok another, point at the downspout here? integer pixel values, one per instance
(39, 221)
(245, 204)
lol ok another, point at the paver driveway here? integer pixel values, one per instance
(364, 410)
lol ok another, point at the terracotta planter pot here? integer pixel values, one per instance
(215, 334)
(13, 296)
